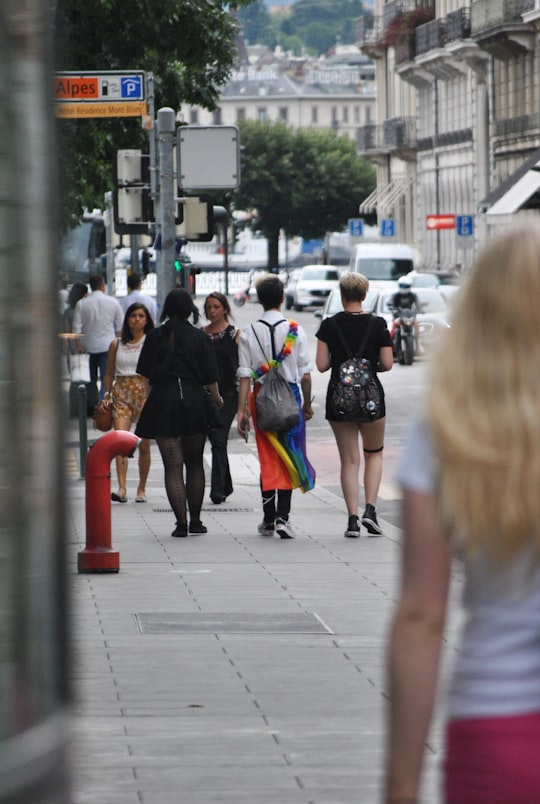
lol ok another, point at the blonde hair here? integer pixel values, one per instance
(484, 402)
(353, 286)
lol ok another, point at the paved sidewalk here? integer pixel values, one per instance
(230, 667)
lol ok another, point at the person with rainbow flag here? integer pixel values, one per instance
(269, 342)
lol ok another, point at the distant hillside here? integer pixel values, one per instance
(312, 25)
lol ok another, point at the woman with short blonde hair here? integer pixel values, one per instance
(471, 478)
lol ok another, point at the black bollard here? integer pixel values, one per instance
(83, 427)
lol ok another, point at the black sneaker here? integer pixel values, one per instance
(353, 528)
(196, 526)
(369, 520)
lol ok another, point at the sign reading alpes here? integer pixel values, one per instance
(103, 94)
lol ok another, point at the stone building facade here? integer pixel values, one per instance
(458, 112)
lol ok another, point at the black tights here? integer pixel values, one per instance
(175, 452)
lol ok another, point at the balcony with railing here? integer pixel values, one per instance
(498, 27)
(367, 31)
(397, 8)
(430, 36)
(395, 135)
(458, 25)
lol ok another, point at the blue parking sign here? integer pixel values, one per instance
(131, 87)
(388, 227)
(356, 227)
(464, 225)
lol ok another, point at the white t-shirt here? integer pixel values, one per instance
(497, 671)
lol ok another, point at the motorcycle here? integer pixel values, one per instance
(404, 335)
(242, 295)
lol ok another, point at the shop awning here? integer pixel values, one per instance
(521, 190)
(385, 195)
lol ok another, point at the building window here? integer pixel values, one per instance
(217, 117)
(334, 117)
(345, 114)
(284, 114)
(194, 116)
(240, 114)
(356, 114)
(261, 114)
(314, 114)
(368, 115)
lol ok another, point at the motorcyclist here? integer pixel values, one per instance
(404, 298)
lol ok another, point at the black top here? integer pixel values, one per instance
(226, 351)
(179, 361)
(192, 357)
(353, 327)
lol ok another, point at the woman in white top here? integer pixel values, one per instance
(126, 391)
(471, 480)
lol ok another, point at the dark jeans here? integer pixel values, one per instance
(98, 360)
(221, 481)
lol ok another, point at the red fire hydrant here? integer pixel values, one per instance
(98, 555)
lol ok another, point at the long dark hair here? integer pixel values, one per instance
(126, 334)
(179, 304)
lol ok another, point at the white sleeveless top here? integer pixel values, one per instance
(127, 357)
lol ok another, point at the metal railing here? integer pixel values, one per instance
(430, 36)
(458, 25)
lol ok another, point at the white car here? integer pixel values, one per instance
(314, 284)
(334, 305)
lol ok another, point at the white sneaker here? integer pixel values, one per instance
(283, 529)
(266, 529)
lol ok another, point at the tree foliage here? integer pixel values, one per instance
(304, 181)
(317, 24)
(188, 45)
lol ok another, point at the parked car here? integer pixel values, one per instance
(333, 303)
(421, 279)
(314, 284)
(290, 286)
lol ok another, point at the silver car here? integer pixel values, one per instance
(314, 284)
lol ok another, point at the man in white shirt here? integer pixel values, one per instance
(135, 295)
(100, 319)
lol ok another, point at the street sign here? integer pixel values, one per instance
(100, 94)
(356, 227)
(440, 221)
(464, 225)
(388, 227)
(208, 157)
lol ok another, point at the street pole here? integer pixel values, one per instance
(166, 125)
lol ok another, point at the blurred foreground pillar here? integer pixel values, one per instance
(33, 599)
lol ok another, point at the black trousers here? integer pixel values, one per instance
(221, 481)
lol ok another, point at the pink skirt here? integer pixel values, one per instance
(493, 760)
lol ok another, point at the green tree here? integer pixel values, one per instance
(304, 181)
(188, 46)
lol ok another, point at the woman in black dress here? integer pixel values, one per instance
(353, 324)
(178, 361)
(224, 339)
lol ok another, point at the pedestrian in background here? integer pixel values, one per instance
(134, 282)
(470, 474)
(179, 362)
(354, 325)
(224, 339)
(126, 392)
(99, 318)
(282, 456)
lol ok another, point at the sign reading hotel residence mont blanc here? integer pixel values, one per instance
(106, 94)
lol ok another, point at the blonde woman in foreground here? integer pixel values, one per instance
(470, 474)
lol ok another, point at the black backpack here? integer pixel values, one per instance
(356, 395)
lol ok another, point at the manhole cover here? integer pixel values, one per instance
(230, 622)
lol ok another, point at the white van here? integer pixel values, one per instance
(382, 263)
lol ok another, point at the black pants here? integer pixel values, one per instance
(221, 481)
(271, 511)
